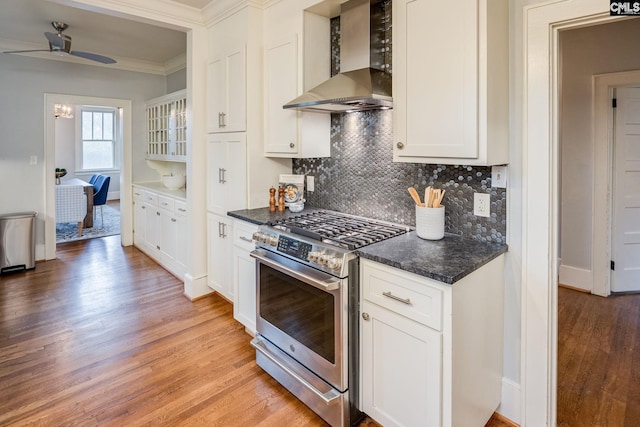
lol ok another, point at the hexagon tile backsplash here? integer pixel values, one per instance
(360, 178)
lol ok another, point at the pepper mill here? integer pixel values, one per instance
(272, 199)
(281, 199)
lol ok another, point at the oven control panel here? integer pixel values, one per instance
(301, 250)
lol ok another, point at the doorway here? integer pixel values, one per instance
(123, 109)
(541, 25)
(88, 152)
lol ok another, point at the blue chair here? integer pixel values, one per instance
(100, 190)
(93, 178)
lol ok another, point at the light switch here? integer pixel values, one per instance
(33, 160)
(311, 183)
(499, 176)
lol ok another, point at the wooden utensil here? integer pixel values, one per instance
(414, 195)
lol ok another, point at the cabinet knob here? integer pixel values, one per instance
(366, 316)
(400, 145)
(292, 145)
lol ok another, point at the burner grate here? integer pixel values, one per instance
(339, 229)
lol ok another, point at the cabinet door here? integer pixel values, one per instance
(401, 369)
(152, 227)
(226, 172)
(158, 130)
(139, 219)
(179, 132)
(219, 253)
(226, 92)
(435, 79)
(280, 87)
(168, 234)
(244, 275)
(182, 235)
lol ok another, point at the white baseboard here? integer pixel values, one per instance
(510, 405)
(578, 278)
(196, 287)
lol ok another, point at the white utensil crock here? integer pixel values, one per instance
(430, 222)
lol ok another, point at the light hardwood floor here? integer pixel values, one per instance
(103, 336)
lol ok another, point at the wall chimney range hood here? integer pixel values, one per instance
(361, 83)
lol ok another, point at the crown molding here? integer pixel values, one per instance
(218, 10)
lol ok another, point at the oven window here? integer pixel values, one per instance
(298, 309)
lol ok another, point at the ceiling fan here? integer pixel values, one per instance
(61, 44)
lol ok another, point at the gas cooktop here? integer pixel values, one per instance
(338, 229)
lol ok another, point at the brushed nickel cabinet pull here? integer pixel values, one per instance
(400, 145)
(388, 294)
(366, 316)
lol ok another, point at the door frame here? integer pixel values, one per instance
(126, 214)
(540, 204)
(603, 86)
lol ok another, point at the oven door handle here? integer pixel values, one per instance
(326, 285)
(329, 398)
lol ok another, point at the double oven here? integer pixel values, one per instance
(307, 307)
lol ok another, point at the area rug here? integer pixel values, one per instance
(68, 232)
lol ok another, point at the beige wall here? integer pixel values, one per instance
(584, 52)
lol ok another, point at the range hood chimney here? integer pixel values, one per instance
(361, 83)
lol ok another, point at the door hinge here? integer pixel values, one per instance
(613, 265)
(614, 103)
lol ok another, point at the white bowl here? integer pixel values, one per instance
(173, 182)
(297, 206)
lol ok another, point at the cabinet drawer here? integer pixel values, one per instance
(180, 208)
(150, 197)
(403, 293)
(138, 195)
(166, 203)
(243, 233)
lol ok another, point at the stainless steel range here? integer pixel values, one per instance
(307, 306)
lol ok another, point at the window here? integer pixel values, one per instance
(98, 142)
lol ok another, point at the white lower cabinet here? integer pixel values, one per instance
(244, 275)
(219, 247)
(401, 362)
(431, 353)
(160, 228)
(139, 217)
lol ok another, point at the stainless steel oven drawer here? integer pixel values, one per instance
(323, 399)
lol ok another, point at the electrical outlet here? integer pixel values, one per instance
(482, 204)
(311, 184)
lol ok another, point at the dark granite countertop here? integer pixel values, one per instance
(447, 260)
(262, 216)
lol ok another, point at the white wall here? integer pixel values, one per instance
(586, 51)
(23, 84)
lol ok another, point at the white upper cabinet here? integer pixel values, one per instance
(226, 172)
(226, 76)
(296, 58)
(451, 82)
(167, 127)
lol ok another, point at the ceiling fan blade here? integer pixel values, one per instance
(93, 57)
(30, 50)
(55, 40)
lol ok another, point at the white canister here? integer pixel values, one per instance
(430, 222)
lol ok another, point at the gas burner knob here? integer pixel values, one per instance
(334, 263)
(272, 240)
(313, 256)
(324, 259)
(256, 236)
